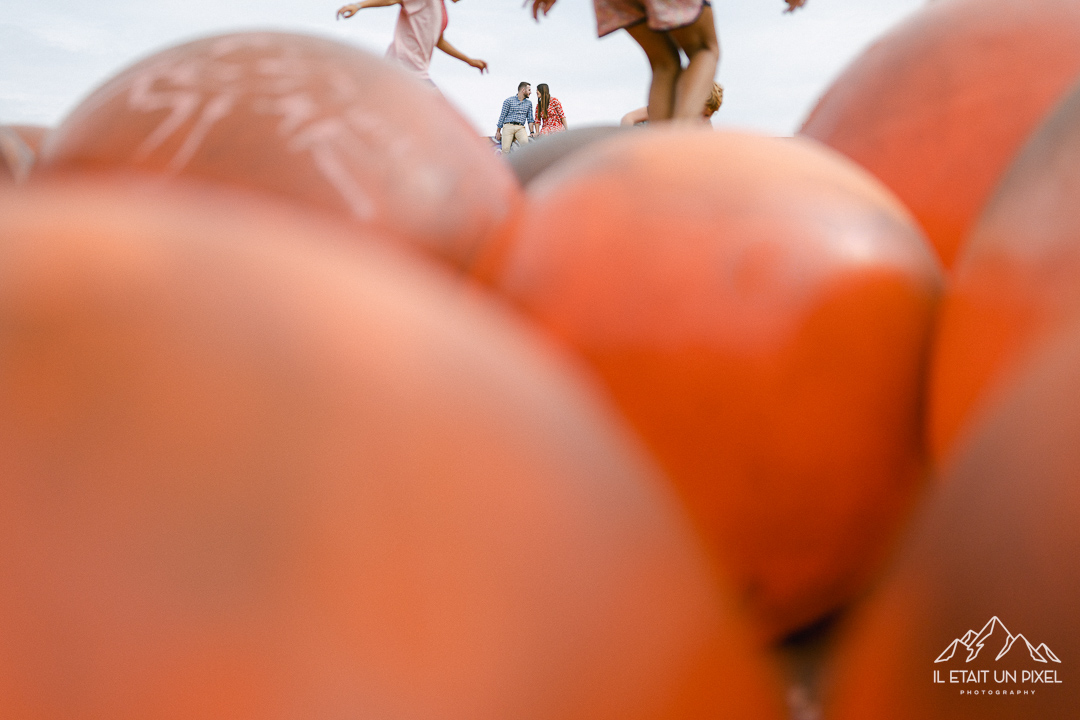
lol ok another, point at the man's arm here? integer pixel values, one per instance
(502, 119)
(453, 52)
(529, 121)
(347, 11)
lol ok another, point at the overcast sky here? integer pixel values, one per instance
(773, 66)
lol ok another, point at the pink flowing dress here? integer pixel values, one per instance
(419, 26)
(661, 15)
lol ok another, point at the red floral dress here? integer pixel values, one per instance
(555, 122)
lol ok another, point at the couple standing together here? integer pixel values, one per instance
(517, 122)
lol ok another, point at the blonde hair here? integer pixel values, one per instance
(715, 100)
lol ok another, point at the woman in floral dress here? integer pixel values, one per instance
(549, 112)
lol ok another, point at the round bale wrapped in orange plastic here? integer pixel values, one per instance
(977, 620)
(250, 470)
(1018, 278)
(759, 309)
(308, 118)
(938, 108)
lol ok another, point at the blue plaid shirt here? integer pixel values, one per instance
(514, 111)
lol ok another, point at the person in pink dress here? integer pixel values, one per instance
(663, 28)
(549, 112)
(419, 30)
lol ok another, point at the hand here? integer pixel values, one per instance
(498, 135)
(544, 6)
(792, 5)
(347, 11)
(479, 65)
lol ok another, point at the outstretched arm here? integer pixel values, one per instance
(347, 11)
(502, 118)
(453, 52)
(793, 5)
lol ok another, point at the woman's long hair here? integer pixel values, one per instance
(542, 98)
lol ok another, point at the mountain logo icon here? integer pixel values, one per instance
(994, 634)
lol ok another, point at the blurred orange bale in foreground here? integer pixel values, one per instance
(759, 309)
(310, 119)
(252, 468)
(939, 106)
(1017, 280)
(977, 620)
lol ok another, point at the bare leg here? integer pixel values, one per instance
(666, 66)
(694, 84)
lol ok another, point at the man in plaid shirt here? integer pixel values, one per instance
(517, 118)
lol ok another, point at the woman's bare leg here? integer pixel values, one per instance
(666, 67)
(694, 84)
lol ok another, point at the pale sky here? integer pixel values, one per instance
(773, 66)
